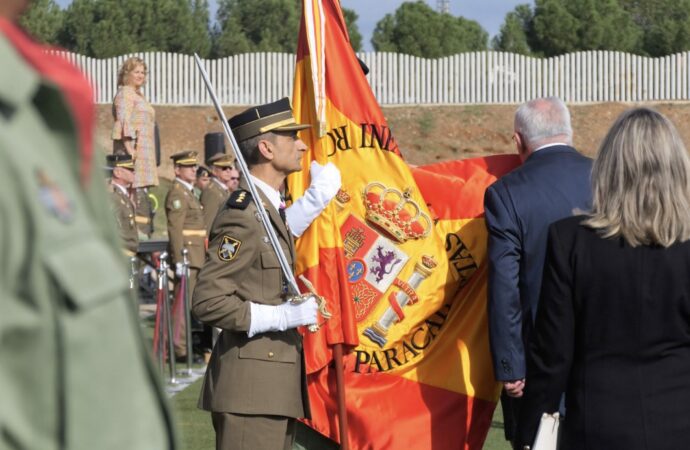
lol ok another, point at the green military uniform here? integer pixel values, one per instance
(124, 211)
(123, 207)
(216, 194)
(75, 373)
(212, 199)
(242, 266)
(185, 230)
(254, 386)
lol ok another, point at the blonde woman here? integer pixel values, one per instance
(613, 325)
(134, 134)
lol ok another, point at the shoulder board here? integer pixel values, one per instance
(239, 199)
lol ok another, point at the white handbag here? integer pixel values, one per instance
(547, 433)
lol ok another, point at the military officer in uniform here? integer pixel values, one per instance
(75, 372)
(216, 193)
(121, 178)
(185, 228)
(203, 178)
(255, 384)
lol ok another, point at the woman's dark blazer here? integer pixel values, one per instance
(613, 332)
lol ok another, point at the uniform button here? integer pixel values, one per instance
(270, 354)
(266, 240)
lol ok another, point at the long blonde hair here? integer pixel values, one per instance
(641, 181)
(129, 65)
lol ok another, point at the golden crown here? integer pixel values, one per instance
(395, 213)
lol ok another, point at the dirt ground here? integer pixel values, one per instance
(425, 134)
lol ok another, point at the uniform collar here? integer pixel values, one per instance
(224, 187)
(121, 188)
(18, 81)
(271, 194)
(189, 187)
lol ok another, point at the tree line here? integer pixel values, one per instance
(106, 28)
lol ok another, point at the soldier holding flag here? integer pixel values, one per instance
(255, 382)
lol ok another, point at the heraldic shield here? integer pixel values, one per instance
(374, 258)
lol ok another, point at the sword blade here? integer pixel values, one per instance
(265, 221)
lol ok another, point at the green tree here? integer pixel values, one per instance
(200, 37)
(265, 25)
(513, 35)
(105, 28)
(43, 20)
(257, 25)
(352, 29)
(416, 29)
(664, 24)
(562, 26)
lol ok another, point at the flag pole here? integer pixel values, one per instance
(340, 392)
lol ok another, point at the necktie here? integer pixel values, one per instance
(281, 210)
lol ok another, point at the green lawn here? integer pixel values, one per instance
(196, 432)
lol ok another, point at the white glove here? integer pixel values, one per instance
(282, 317)
(325, 183)
(179, 269)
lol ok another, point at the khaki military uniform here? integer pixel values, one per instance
(262, 375)
(185, 230)
(212, 199)
(125, 214)
(74, 373)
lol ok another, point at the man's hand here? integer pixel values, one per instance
(325, 183)
(514, 388)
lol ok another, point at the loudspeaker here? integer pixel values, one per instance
(214, 143)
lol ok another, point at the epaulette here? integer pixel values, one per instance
(239, 199)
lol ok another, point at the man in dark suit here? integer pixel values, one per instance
(255, 384)
(552, 183)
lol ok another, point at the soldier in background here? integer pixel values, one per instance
(185, 229)
(75, 372)
(121, 178)
(234, 181)
(203, 178)
(216, 193)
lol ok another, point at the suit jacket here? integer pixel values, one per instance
(75, 371)
(125, 214)
(519, 207)
(613, 332)
(212, 199)
(185, 225)
(262, 375)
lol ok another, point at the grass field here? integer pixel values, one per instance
(196, 432)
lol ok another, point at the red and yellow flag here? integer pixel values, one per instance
(400, 256)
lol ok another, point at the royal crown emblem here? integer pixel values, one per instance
(395, 213)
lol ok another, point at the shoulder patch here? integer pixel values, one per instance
(229, 248)
(239, 199)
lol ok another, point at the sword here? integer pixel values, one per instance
(265, 221)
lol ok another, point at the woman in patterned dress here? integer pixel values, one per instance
(134, 134)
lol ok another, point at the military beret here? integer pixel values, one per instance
(203, 172)
(276, 116)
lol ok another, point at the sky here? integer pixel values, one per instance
(489, 13)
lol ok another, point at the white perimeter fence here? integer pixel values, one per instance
(397, 79)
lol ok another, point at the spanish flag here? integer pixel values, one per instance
(400, 256)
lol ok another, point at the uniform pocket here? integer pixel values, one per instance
(269, 348)
(88, 271)
(271, 277)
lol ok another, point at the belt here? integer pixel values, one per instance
(142, 220)
(200, 233)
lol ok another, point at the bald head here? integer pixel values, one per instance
(543, 121)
